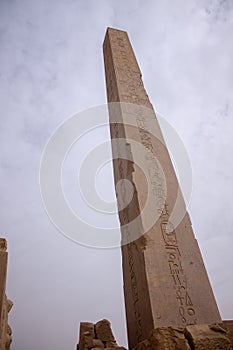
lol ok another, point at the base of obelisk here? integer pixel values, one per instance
(99, 336)
(194, 337)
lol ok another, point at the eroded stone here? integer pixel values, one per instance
(103, 331)
(165, 339)
(86, 335)
(202, 337)
(97, 337)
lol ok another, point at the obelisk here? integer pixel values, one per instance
(165, 281)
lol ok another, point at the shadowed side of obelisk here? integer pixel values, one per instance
(138, 315)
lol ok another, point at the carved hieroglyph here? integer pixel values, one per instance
(165, 281)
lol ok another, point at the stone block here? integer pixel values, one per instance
(103, 331)
(97, 343)
(203, 337)
(228, 326)
(169, 338)
(111, 344)
(97, 337)
(165, 338)
(3, 245)
(86, 335)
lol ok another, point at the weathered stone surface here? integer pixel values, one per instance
(5, 304)
(160, 255)
(97, 337)
(202, 337)
(194, 337)
(97, 343)
(169, 339)
(86, 335)
(3, 245)
(111, 344)
(8, 338)
(228, 326)
(3, 270)
(165, 339)
(116, 348)
(103, 331)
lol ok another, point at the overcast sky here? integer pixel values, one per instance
(52, 67)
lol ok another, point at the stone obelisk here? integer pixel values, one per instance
(165, 281)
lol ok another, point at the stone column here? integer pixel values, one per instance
(5, 304)
(165, 281)
(3, 272)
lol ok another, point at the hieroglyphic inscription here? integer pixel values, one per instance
(186, 309)
(129, 75)
(156, 179)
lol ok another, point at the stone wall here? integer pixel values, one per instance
(97, 336)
